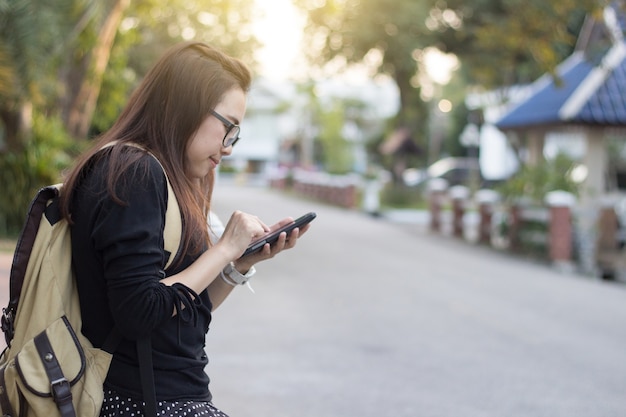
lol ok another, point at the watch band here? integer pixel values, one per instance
(237, 277)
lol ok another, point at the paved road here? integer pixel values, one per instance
(370, 318)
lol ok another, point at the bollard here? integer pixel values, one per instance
(458, 195)
(371, 197)
(436, 192)
(560, 228)
(515, 213)
(608, 251)
(486, 200)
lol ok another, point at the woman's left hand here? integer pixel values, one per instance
(269, 251)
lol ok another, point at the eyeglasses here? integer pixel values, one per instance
(232, 130)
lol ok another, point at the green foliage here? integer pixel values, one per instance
(39, 164)
(226, 24)
(499, 43)
(504, 42)
(534, 182)
(117, 83)
(337, 158)
(32, 34)
(457, 119)
(46, 47)
(402, 197)
(532, 238)
(349, 30)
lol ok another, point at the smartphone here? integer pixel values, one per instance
(272, 237)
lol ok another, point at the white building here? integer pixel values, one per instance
(277, 114)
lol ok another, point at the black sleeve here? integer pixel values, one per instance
(129, 241)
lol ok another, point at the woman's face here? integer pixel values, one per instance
(205, 149)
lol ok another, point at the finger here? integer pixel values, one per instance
(265, 227)
(293, 238)
(278, 245)
(283, 222)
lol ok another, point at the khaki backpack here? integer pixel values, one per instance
(49, 368)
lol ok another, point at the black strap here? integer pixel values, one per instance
(60, 386)
(21, 256)
(146, 371)
(7, 410)
(144, 353)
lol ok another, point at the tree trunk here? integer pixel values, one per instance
(84, 78)
(17, 124)
(412, 112)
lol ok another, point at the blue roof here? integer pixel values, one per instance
(544, 104)
(607, 106)
(584, 91)
(602, 104)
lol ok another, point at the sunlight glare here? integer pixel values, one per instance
(279, 27)
(439, 65)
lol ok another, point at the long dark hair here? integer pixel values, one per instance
(162, 116)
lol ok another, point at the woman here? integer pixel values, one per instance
(180, 122)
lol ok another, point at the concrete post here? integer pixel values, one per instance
(515, 214)
(459, 195)
(486, 200)
(437, 188)
(560, 228)
(608, 252)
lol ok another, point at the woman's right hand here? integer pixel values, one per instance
(241, 229)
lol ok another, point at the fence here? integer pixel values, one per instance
(544, 231)
(541, 230)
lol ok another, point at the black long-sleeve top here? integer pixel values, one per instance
(119, 259)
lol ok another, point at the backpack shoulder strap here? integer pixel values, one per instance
(44, 198)
(172, 233)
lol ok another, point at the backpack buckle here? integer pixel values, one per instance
(8, 325)
(61, 391)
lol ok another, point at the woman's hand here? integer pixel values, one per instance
(239, 226)
(268, 252)
(240, 231)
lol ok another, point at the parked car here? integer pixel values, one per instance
(455, 170)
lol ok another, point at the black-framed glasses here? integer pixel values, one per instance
(232, 130)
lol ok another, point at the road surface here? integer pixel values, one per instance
(371, 318)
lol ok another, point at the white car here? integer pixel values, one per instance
(455, 170)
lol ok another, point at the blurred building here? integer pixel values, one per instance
(581, 110)
(584, 101)
(278, 129)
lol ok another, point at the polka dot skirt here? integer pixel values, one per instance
(115, 405)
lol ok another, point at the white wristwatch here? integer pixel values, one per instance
(237, 277)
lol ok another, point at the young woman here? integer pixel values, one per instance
(179, 123)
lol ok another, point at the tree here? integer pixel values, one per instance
(335, 151)
(226, 24)
(86, 67)
(30, 34)
(358, 30)
(54, 60)
(54, 55)
(506, 42)
(157, 24)
(499, 42)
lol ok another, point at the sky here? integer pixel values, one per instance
(279, 27)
